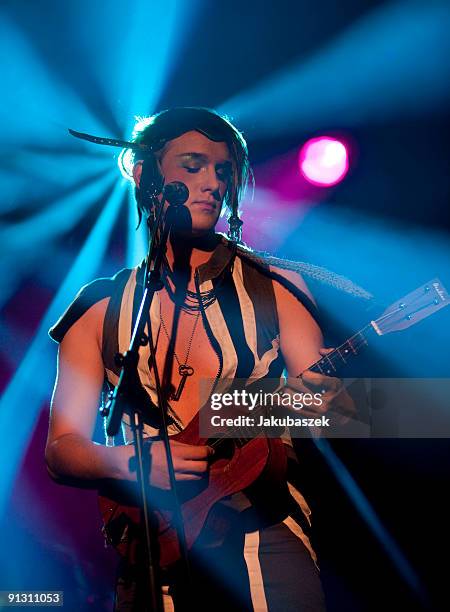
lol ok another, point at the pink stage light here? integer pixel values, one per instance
(323, 161)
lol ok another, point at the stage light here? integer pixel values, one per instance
(39, 357)
(323, 161)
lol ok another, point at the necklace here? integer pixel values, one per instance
(192, 301)
(184, 370)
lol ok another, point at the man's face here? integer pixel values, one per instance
(205, 167)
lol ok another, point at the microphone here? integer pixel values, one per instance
(176, 193)
(178, 216)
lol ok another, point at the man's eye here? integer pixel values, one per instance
(191, 170)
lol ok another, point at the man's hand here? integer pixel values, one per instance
(190, 462)
(333, 394)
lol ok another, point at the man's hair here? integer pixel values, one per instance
(157, 130)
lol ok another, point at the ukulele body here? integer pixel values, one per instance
(233, 469)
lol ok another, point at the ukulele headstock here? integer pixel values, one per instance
(412, 308)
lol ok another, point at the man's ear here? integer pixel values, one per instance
(137, 172)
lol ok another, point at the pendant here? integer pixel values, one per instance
(184, 371)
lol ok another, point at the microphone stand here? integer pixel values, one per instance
(130, 397)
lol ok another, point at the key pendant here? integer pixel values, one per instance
(184, 371)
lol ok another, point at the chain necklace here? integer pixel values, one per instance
(192, 301)
(184, 370)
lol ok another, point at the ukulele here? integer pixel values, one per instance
(241, 461)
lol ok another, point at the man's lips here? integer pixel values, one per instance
(206, 203)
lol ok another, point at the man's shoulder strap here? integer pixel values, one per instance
(88, 295)
(110, 343)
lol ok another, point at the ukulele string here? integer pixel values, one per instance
(400, 308)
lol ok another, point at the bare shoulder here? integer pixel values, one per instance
(294, 277)
(80, 352)
(89, 327)
(300, 335)
(80, 376)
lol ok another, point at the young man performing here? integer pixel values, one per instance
(224, 314)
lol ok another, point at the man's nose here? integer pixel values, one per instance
(210, 180)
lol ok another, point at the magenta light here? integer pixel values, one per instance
(323, 161)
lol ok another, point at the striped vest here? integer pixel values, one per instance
(242, 326)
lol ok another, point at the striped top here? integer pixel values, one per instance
(241, 324)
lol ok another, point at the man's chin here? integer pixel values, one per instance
(202, 225)
(194, 224)
(199, 232)
(195, 232)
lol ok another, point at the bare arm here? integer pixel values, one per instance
(70, 452)
(300, 336)
(301, 345)
(72, 457)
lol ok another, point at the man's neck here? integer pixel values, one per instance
(185, 254)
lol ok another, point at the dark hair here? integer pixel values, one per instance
(162, 127)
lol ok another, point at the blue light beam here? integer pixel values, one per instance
(31, 384)
(54, 220)
(23, 242)
(371, 519)
(393, 62)
(35, 106)
(132, 52)
(137, 237)
(151, 56)
(383, 256)
(34, 177)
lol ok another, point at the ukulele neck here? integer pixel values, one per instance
(330, 364)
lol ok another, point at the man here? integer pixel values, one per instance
(224, 314)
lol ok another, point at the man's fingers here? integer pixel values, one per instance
(191, 467)
(325, 351)
(190, 451)
(294, 385)
(186, 476)
(321, 383)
